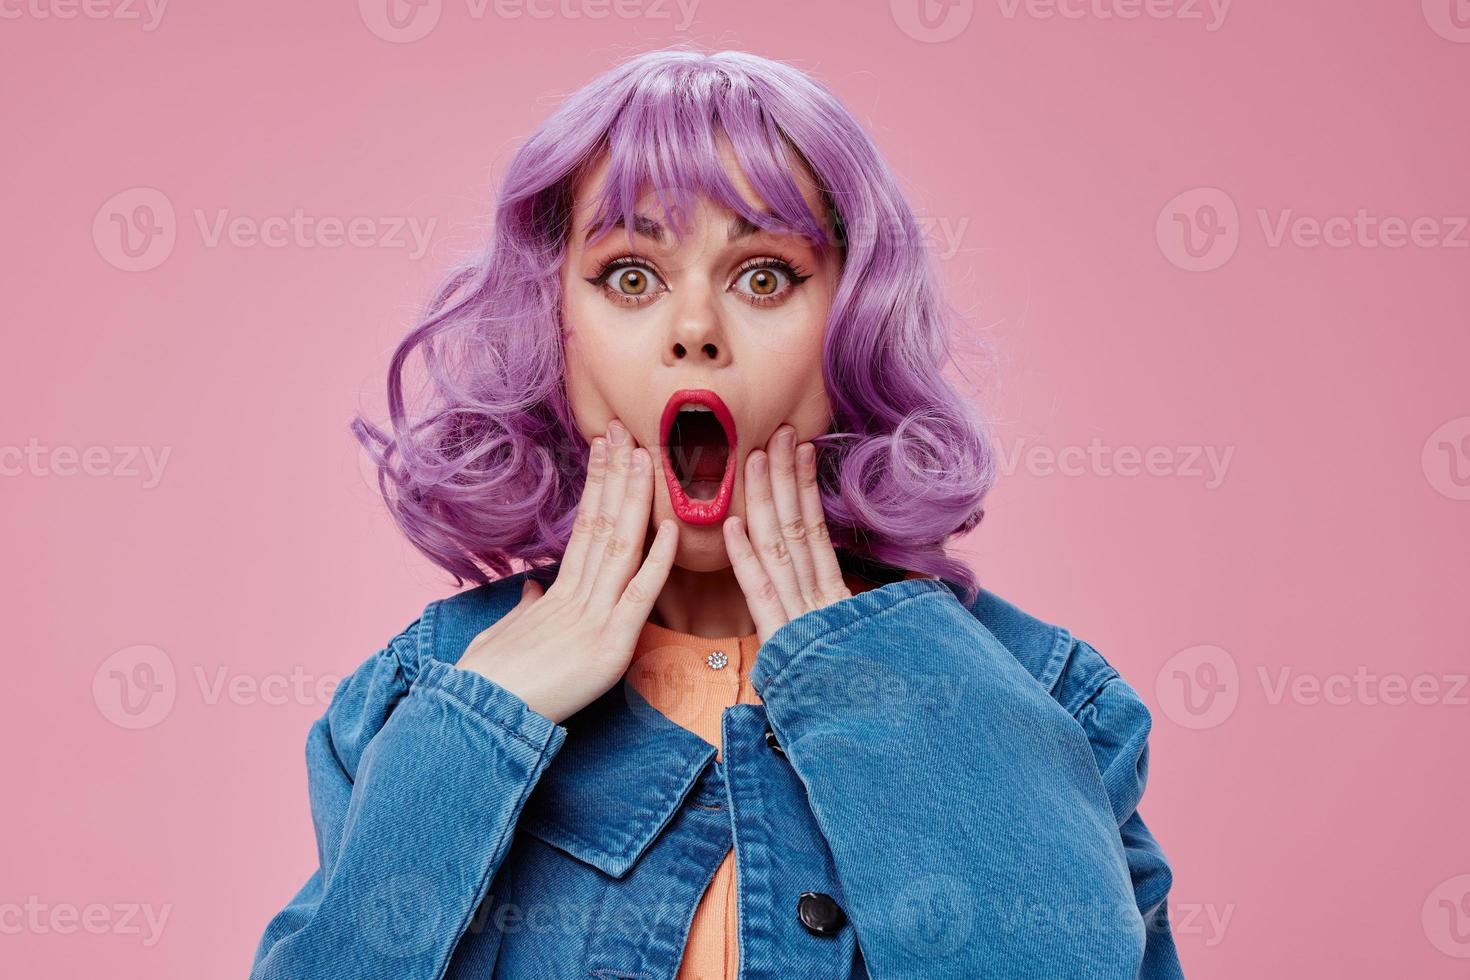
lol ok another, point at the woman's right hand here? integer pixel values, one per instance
(562, 647)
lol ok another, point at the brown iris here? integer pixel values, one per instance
(763, 282)
(632, 282)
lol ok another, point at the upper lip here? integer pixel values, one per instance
(697, 396)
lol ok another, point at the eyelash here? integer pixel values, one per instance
(611, 266)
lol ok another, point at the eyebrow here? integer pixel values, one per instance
(647, 227)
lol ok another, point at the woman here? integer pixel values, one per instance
(706, 309)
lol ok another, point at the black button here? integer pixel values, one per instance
(771, 741)
(821, 915)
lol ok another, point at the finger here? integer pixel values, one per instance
(830, 583)
(623, 550)
(587, 509)
(760, 593)
(619, 459)
(637, 599)
(788, 513)
(765, 534)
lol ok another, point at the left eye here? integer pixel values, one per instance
(763, 281)
(634, 280)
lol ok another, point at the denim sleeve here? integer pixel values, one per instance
(417, 774)
(969, 823)
(1117, 723)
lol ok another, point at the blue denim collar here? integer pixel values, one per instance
(620, 776)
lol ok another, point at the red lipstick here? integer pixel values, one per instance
(686, 508)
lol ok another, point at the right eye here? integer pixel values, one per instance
(633, 281)
(628, 280)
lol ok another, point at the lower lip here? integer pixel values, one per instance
(692, 511)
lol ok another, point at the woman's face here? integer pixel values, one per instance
(730, 316)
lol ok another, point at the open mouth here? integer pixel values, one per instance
(697, 446)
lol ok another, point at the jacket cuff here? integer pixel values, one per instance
(494, 704)
(831, 623)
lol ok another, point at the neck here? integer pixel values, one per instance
(703, 604)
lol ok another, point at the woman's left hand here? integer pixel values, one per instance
(786, 565)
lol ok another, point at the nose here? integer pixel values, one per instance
(697, 334)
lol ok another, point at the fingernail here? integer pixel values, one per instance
(617, 433)
(805, 453)
(640, 460)
(758, 463)
(786, 434)
(599, 449)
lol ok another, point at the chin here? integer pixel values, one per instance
(701, 549)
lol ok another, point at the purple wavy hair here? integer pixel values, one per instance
(490, 470)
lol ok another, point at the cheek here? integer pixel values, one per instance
(791, 389)
(589, 406)
(606, 371)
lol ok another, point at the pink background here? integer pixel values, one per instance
(1315, 828)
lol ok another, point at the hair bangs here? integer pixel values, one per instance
(668, 143)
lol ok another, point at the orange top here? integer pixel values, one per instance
(682, 676)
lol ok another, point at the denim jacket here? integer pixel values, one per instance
(927, 790)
